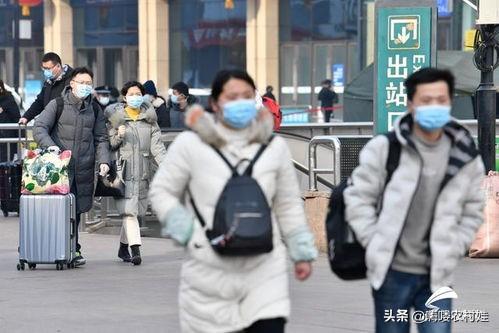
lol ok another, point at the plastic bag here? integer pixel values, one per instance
(486, 243)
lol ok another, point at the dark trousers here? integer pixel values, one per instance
(74, 190)
(399, 293)
(328, 115)
(275, 325)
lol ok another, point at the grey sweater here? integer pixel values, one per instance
(413, 251)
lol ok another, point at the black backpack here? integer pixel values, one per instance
(242, 224)
(346, 254)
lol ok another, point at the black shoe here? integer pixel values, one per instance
(123, 253)
(79, 260)
(136, 259)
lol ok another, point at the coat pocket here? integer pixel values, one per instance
(146, 165)
(124, 166)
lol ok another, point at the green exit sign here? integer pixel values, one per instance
(405, 37)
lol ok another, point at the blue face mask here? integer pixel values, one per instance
(134, 101)
(174, 99)
(47, 73)
(239, 114)
(83, 90)
(432, 117)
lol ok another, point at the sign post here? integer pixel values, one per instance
(406, 42)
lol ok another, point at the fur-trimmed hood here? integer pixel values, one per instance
(211, 130)
(117, 116)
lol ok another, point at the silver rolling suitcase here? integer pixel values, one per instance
(47, 230)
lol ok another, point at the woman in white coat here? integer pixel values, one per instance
(220, 293)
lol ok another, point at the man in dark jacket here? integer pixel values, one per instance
(79, 128)
(57, 76)
(327, 97)
(178, 103)
(269, 94)
(158, 102)
(105, 96)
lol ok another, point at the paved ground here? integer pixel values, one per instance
(109, 296)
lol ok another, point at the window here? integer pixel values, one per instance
(302, 20)
(105, 22)
(205, 37)
(7, 16)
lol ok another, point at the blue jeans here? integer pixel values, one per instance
(399, 293)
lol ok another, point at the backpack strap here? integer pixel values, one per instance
(60, 107)
(196, 210)
(58, 111)
(232, 168)
(394, 151)
(249, 169)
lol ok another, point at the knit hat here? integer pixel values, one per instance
(182, 88)
(150, 88)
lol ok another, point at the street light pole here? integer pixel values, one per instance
(486, 99)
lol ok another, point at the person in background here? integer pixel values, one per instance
(269, 94)
(103, 96)
(81, 128)
(242, 293)
(9, 113)
(328, 98)
(135, 137)
(178, 103)
(158, 103)
(57, 77)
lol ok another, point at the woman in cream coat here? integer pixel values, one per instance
(219, 293)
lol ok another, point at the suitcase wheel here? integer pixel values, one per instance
(20, 266)
(31, 266)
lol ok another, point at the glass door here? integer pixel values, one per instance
(295, 75)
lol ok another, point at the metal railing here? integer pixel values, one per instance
(6, 142)
(313, 170)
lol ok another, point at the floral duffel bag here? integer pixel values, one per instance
(45, 172)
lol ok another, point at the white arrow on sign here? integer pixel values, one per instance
(404, 36)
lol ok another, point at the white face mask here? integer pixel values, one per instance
(148, 98)
(103, 100)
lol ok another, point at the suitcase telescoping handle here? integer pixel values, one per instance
(72, 216)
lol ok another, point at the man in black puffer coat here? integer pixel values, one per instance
(57, 77)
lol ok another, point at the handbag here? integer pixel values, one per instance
(111, 185)
(46, 172)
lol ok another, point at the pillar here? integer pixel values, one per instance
(58, 29)
(262, 43)
(154, 43)
(370, 26)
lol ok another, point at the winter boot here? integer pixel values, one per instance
(123, 253)
(136, 259)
